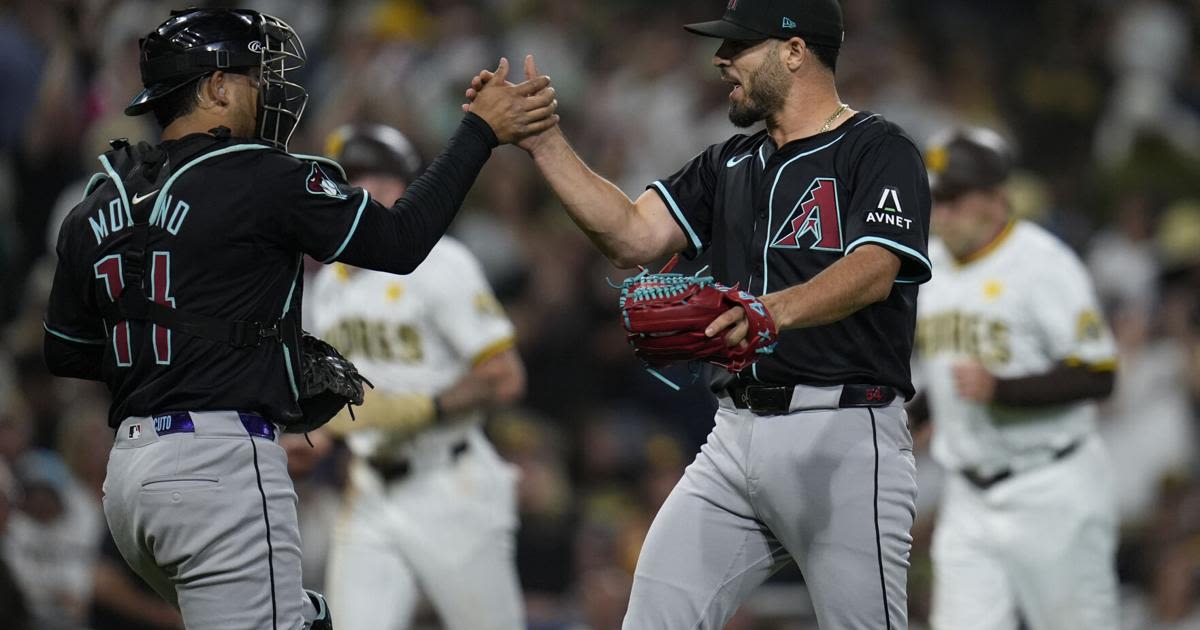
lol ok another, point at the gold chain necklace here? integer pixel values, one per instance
(834, 117)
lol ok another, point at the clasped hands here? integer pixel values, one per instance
(515, 112)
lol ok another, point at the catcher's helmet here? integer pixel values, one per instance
(371, 148)
(963, 159)
(193, 43)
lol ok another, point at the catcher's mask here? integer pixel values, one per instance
(193, 43)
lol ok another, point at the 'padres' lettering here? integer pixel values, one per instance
(965, 334)
(384, 341)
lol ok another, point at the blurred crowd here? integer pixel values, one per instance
(1102, 97)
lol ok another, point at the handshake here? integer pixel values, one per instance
(517, 113)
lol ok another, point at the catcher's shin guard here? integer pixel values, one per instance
(324, 619)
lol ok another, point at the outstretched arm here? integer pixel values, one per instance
(627, 232)
(497, 380)
(863, 277)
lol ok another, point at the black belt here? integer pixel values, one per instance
(392, 469)
(767, 400)
(983, 482)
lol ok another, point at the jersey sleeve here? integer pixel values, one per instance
(71, 314)
(689, 197)
(466, 311)
(1066, 311)
(315, 208)
(890, 204)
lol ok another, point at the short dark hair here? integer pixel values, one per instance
(828, 55)
(180, 102)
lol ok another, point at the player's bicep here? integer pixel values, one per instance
(465, 310)
(70, 315)
(666, 231)
(314, 209)
(890, 206)
(1067, 312)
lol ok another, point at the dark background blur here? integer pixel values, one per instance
(1102, 98)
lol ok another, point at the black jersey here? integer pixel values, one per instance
(228, 225)
(227, 230)
(773, 218)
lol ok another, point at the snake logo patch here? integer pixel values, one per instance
(815, 214)
(318, 183)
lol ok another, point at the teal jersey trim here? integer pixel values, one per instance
(287, 361)
(163, 194)
(90, 342)
(908, 251)
(353, 228)
(771, 204)
(679, 215)
(112, 174)
(93, 183)
(287, 305)
(322, 159)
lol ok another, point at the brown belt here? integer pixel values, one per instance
(392, 470)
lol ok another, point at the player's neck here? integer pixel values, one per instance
(196, 122)
(986, 245)
(807, 112)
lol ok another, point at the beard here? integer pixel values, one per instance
(766, 95)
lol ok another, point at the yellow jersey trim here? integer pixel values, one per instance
(1107, 365)
(990, 247)
(494, 349)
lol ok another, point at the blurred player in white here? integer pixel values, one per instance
(1014, 352)
(431, 508)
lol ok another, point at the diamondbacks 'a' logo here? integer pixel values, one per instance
(319, 183)
(816, 213)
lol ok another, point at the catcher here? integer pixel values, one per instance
(190, 317)
(825, 215)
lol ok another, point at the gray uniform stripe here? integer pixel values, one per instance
(887, 615)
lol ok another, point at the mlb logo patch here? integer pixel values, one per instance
(135, 431)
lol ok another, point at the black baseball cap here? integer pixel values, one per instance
(964, 159)
(817, 21)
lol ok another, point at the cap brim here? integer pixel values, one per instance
(724, 29)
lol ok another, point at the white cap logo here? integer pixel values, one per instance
(255, 46)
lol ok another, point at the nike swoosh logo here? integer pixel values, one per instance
(738, 160)
(140, 198)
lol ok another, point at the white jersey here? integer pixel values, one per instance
(1020, 307)
(417, 333)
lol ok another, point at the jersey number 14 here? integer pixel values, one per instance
(110, 271)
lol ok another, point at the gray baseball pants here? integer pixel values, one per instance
(208, 519)
(831, 489)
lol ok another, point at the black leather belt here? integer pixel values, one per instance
(767, 400)
(392, 469)
(983, 482)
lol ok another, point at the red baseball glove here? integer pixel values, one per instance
(665, 315)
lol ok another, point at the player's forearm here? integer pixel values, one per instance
(604, 212)
(398, 239)
(1062, 385)
(856, 281)
(497, 380)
